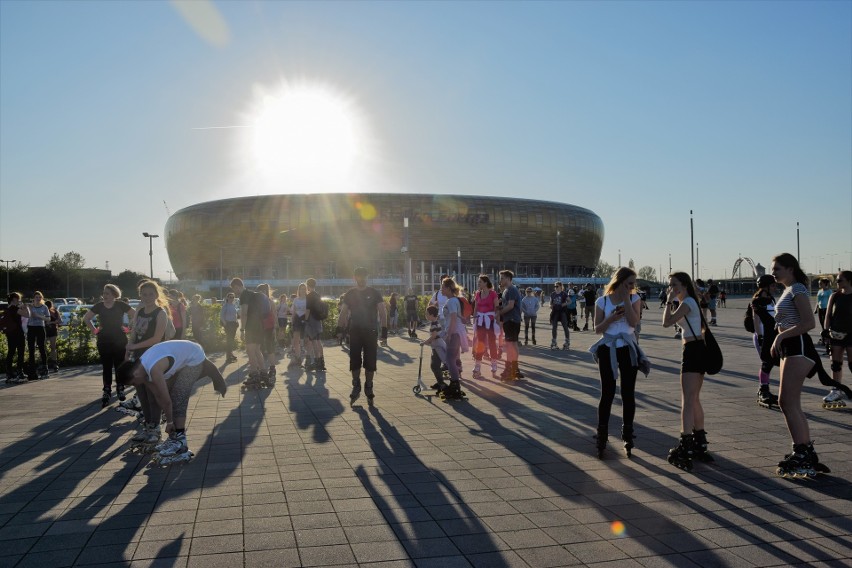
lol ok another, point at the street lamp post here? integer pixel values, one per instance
(558, 259)
(151, 238)
(8, 262)
(459, 273)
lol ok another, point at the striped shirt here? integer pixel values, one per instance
(786, 314)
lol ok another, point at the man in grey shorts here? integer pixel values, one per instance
(313, 328)
(169, 370)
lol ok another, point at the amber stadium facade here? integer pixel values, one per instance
(401, 238)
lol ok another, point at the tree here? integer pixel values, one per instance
(128, 281)
(648, 273)
(65, 266)
(603, 269)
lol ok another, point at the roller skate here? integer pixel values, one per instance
(576, 327)
(439, 386)
(43, 372)
(231, 358)
(356, 391)
(105, 397)
(253, 381)
(18, 377)
(173, 450)
(586, 327)
(54, 367)
(700, 452)
(270, 374)
(600, 440)
(477, 373)
(147, 439)
(802, 462)
(493, 368)
(765, 398)
(533, 339)
(130, 407)
(833, 400)
(319, 365)
(119, 392)
(681, 456)
(566, 346)
(383, 342)
(453, 392)
(553, 344)
(627, 436)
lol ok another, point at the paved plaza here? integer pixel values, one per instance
(294, 476)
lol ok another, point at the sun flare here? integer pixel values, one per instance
(306, 137)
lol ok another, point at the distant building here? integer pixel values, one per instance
(283, 239)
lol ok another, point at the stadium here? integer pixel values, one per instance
(403, 239)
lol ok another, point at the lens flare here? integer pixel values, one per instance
(618, 528)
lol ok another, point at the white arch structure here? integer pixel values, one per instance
(739, 262)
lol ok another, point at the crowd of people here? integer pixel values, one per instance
(143, 346)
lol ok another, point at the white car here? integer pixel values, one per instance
(69, 312)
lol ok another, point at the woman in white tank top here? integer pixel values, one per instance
(693, 438)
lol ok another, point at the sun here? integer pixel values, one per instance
(306, 137)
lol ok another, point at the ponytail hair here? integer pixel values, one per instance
(787, 260)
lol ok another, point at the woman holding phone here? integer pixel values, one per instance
(617, 352)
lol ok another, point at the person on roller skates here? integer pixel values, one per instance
(529, 307)
(13, 329)
(693, 438)
(439, 348)
(510, 315)
(410, 301)
(485, 325)
(168, 371)
(253, 308)
(111, 335)
(617, 352)
(362, 307)
(763, 321)
(559, 315)
(838, 325)
(799, 360)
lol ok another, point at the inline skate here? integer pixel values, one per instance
(765, 398)
(453, 392)
(833, 400)
(700, 449)
(802, 462)
(173, 450)
(681, 456)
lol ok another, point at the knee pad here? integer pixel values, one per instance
(836, 366)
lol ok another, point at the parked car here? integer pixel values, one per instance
(59, 302)
(70, 312)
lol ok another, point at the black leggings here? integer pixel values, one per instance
(628, 385)
(36, 335)
(111, 355)
(15, 341)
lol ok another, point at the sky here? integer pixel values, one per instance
(114, 114)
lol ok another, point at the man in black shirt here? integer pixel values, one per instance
(251, 317)
(313, 328)
(411, 312)
(359, 309)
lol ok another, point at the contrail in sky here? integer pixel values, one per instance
(217, 127)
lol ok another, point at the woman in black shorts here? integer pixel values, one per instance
(693, 438)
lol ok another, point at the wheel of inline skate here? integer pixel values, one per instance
(416, 389)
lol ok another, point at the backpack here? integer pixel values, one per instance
(466, 308)
(748, 320)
